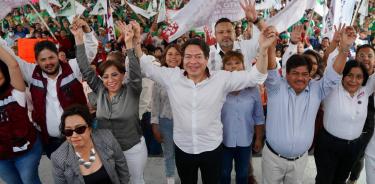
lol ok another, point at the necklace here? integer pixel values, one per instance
(87, 164)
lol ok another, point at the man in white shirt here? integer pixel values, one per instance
(54, 85)
(225, 37)
(197, 96)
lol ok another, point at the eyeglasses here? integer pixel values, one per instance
(78, 130)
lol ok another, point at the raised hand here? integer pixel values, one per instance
(249, 9)
(295, 35)
(267, 37)
(77, 32)
(337, 34)
(348, 36)
(83, 24)
(137, 31)
(128, 33)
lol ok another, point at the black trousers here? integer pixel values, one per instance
(53, 144)
(208, 162)
(334, 158)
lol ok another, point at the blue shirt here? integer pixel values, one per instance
(239, 115)
(290, 117)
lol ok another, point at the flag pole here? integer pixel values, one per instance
(41, 18)
(356, 12)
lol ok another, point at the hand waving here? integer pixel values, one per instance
(249, 9)
(295, 35)
(127, 32)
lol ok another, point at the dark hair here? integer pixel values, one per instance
(117, 55)
(222, 20)
(233, 54)
(325, 38)
(164, 56)
(104, 65)
(296, 61)
(319, 60)
(76, 109)
(355, 64)
(199, 43)
(4, 69)
(365, 46)
(40, 46)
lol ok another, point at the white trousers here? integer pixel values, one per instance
(370, 169)
(136, 158)
(281, 171)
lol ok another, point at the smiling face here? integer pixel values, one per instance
(367, 57)
(173, 57)
(353, 80)
(112, 79)
(195, 62)
(298, 78)
(48, 62)
(77, 140)
(234, 64)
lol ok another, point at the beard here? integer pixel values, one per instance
(226, 43)
(53, 72)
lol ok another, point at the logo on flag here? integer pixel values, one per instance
(170, 31)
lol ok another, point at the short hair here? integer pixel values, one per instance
(45, 44)
(164, 55)
(117, 55)
(198, 42)
(76, 109)
(355, 64)
(104, 65)
(365, 46)
(223, 20)
(325, 38)
(298, 60)
(233, 54)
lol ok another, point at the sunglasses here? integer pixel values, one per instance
(78, 130)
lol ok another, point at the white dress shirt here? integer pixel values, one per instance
(197, 108)
(344, 116)
(53, 107)
(247, 47)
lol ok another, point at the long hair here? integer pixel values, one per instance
(5, 71)
(164, 55)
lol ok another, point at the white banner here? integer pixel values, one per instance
(145, 13)
(8, 5)
(291, 14)
(199, 13)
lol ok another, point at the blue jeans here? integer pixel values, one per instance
(166, 130)
(153, 147)
(241, 157)
(24, 168)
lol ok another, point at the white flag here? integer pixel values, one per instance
(162, 12)
(347, 10)
(363, 10)
(109, 21)
(100, 8)
(8, 5)
(141, 11)
(291, 14)
(45, 5)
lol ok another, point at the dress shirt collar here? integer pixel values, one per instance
(307, 89)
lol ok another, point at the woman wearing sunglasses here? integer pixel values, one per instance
(87, 156)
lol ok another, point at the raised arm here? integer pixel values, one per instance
(252, 14)
(88, 73)
(347, 38)
(90, 41)
(25, 67)
(16, 78)
(295, 37)
(266, 40)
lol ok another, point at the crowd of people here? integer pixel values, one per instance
(98, 107)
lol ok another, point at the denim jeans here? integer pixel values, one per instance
(241, 157)
(24, 168)
(166, 130)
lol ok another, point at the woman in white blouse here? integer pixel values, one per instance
(345, 111)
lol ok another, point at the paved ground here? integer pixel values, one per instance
(154, 173)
